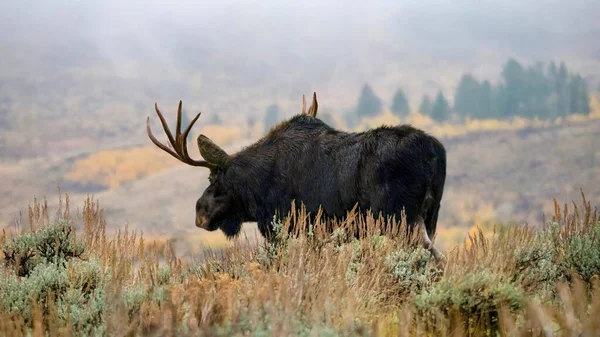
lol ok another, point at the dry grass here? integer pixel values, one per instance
(315, 283)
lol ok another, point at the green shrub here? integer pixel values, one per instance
(582, 253)
(163, 275)
(46, 281)
(54, 243)
(20, 253)
(411, 269)
(535, 265)
(355, 263)
(132, 297)
(87, 276)
(478, 295)
(271, 249)
(83, 311)
(40, 269)
(57, 243)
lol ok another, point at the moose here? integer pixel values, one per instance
(387, 170)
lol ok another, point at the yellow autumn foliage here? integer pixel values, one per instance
(110, 168)
(448, 129)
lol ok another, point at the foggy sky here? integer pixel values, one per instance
(309, 29)
(152, 47)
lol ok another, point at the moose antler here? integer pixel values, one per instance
(313, 106)
(303, 105)
(214, 155)
(312, 111)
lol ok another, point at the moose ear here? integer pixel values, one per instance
(211, 152)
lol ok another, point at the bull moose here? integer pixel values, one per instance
(386, 170)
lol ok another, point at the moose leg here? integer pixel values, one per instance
(427, 244)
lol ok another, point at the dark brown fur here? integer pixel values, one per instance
(303, 159)
(385, 170)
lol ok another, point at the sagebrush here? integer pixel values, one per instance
(67, 276)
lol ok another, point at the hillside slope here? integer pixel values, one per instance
(504, 175)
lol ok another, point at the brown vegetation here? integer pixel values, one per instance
(518, 282)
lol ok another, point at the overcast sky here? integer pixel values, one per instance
(291, 41)
(110, 60)
(111, 23)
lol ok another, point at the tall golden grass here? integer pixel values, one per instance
(317, 283)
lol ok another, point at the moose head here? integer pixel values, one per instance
(223, 204)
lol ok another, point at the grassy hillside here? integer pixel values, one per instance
(497, 171)
(518, 282)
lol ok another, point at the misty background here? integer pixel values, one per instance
(77, 78)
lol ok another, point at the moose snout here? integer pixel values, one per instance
(202, 221)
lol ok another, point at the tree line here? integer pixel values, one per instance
(542, 91)
(545, 91)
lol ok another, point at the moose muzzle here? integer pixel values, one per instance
(202, 221)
